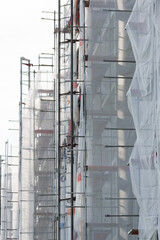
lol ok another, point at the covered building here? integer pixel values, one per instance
(77, 135)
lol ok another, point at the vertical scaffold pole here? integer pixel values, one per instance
(20, 143)
(85, 114)
(20, 152)
(72, 129)
(6, 190)
(54, 137)
(29, 74)
(34, 151)
(59, 130)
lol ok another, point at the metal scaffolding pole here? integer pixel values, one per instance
(59, 115)
(55, 165)
(6, 190)
(29, 74)
(34, 152)
(85, 114)
(22, 59)
(20, 150)
(72, 129)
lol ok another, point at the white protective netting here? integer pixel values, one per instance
(143, 98)
(26, 170)
(111, 206)
(36, 170)
(44, 157)
(8, 198)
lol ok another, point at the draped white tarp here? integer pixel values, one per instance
(143, 98)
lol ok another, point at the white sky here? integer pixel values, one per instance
(22, 33)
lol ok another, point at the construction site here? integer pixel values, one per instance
(87, 165)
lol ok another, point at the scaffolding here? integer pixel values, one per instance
(9, 193)
(112, 208)
(37, 150)
(71, 124)
(103, 205)
(76, 133)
